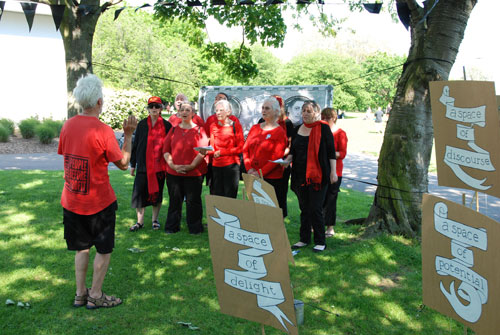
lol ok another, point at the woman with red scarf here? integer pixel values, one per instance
(185, 170)
(147, 163)
(314, 167)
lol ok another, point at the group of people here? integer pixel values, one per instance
(181, 152)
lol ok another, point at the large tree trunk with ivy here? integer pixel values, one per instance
(406, 150)
(77, 31)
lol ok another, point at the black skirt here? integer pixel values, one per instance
(140, 192)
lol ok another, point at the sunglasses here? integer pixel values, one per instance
(150, 106)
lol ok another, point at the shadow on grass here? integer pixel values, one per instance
(368, 286)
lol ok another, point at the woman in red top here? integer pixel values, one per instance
(185, 170)
(340, 138)
(267, 142)
(175, 119)
(226, 137)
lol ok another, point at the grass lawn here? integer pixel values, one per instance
(364, 286)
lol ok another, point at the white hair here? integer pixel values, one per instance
(275, 105)
(225, 104)
(182, 96)
(88, 91)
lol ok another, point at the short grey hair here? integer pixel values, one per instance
(225, 104)
(275, 105)
(88, 91)
(182, 96)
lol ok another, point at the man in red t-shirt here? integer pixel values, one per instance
(88, 201)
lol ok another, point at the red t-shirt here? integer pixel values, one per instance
(180, 143)
(229, 141)
(175, 120)
(340, 139)
(261, 147)
(213, 118)
(88, 145)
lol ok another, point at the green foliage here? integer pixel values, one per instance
(27, 127)
(384, 70)
(4, 133)
(8, 124)
(56, 125)
(45, 132)
(119, 104)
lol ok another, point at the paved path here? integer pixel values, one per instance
(358, 168)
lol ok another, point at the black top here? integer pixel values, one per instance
(299, 152)
(138, 156)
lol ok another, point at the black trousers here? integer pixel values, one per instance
(280, 193)
(225, 180)
(330, 204)
(178, 188)
(311, 213)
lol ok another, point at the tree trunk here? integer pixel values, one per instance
(77, 31)
(406, 150)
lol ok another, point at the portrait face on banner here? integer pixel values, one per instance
(460, 252)
(250, 262)
(467, 132)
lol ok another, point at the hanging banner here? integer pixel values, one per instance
(29, 10)
(57, 14)
(2, 5)
(249, 255)
(466, 130)
(460, 276)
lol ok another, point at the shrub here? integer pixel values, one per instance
(56, 125)
(8, 124)
(27, 127)
(45, 133)
(119, 104)
(4, 133)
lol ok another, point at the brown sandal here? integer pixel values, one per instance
(103, 301)
(81, 300)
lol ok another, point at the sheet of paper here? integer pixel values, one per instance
(278, 161)
(208, 147)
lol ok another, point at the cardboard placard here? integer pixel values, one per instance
(249, 256)
(466, 129)
(460, 276)
(261, 192)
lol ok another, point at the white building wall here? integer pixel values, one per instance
(32, 66)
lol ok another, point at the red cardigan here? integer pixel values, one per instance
(340, 139)
(229, 141)
(261, 147)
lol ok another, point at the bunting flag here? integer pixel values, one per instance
(118, 12)
(218, 2)
(246, 2)
(192, 3)
(2, 4)
(143, 6)
(373, 8)
(273, 2)
(57, 14)
(29, 10)
(403, 13)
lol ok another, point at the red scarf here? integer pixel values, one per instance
(154, 160)
(313, 168)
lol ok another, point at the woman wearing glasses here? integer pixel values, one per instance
(314, 167)
(147, 163)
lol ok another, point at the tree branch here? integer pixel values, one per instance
(108, 4)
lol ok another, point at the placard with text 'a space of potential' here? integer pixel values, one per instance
(460, 272)
(467, 134)
(249, 251)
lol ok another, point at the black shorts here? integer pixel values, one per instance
(83, 231)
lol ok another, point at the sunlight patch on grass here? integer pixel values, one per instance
(179, 262)
(211, 303)
(176, 297)
(30, 185)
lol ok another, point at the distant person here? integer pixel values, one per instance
(314, 167)
(185, 170)
(88, 200)
(341, 114)
(368, 114)
(265, 143)
(379, 119)
(175, 119)
(226, 137)
(147, 164)
(340, 138)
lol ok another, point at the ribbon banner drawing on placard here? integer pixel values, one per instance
(269, 294)
(473, 287)
(457, 158)
(262, 198)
